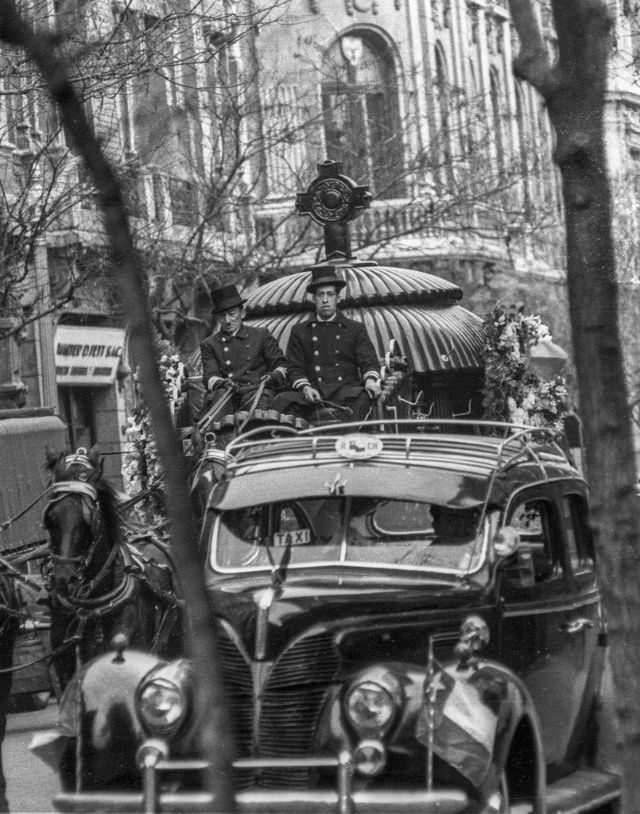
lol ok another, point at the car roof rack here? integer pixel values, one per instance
(487, 448)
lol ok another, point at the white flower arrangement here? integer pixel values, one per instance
(513, 391)
(141, 467)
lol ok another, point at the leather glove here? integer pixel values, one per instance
(373, 388)
(276, 378)
(311, 394)
(225, 384)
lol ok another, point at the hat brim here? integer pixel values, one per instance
(227, 306)
(338, 284)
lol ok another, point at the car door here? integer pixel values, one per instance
(586, 629)
(544, 634)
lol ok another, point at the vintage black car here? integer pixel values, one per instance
(409, 622)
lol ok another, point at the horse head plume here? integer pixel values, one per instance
(70, 464)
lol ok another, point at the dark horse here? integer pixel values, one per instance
(100, 584)
(9, 622)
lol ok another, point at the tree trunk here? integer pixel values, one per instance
(215, 733)
(574, 90)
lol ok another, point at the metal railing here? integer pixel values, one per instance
(486, 447)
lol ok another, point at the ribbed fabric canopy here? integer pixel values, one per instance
(367, 284)
(416, 309)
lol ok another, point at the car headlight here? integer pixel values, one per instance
(161, 705)
(369, 707)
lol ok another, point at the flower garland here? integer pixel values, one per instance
(141, 467)
(512, 391)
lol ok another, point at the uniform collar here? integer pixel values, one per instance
(241, 333)
(337, 317)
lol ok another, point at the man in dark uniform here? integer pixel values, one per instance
(237, 356)
(330, 357)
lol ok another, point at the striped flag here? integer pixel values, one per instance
(462, 713)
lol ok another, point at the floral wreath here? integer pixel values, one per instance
(512, 390)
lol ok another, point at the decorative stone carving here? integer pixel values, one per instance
(363, 6)
(352, 49)
(490, 29)
(435, 14)
(472, 23)
(351, 6)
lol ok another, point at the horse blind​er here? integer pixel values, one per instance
(99, 583)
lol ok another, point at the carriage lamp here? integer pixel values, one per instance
(369, 707)
(161, 705)
(546, 359)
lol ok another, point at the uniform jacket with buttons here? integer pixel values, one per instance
(330, 355)
(244, 357)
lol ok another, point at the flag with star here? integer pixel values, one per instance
(461, 714)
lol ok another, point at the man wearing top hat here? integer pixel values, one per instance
(237, 356)
(330, 357)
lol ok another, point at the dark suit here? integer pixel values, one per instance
(335, 357)
(244, 357)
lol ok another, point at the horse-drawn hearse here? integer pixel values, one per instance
(407, 606)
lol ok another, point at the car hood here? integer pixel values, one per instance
(267, 618)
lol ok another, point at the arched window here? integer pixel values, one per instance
(360, 107)
(442, 100)
(497, 107)
(523, 145)
(471, 113)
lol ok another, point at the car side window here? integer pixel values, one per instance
(535, 522)
(579, 537)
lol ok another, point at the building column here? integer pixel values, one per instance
(45, 328)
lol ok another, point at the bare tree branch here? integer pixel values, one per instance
(533, 62)
(215, 732)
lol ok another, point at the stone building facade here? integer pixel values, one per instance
(419, 100)
(216, 114)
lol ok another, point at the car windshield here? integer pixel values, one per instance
(363, 531)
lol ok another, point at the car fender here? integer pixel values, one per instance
(518, 749)
(516, 717)
(99, 703)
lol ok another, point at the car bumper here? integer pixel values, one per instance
(272, 802)
(343, 799)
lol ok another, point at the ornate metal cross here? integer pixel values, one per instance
(332, 200)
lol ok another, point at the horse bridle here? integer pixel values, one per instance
(89, 502)
(106, 603)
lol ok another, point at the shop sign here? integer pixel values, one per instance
(87, 356)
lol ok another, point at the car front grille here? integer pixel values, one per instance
(279, 717)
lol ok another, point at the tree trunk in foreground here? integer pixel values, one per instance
(216, 740)
(574, 90)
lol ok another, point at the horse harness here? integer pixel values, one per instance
(133, 565)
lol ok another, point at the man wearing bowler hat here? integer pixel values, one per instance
(237, 356)
(330, 357)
